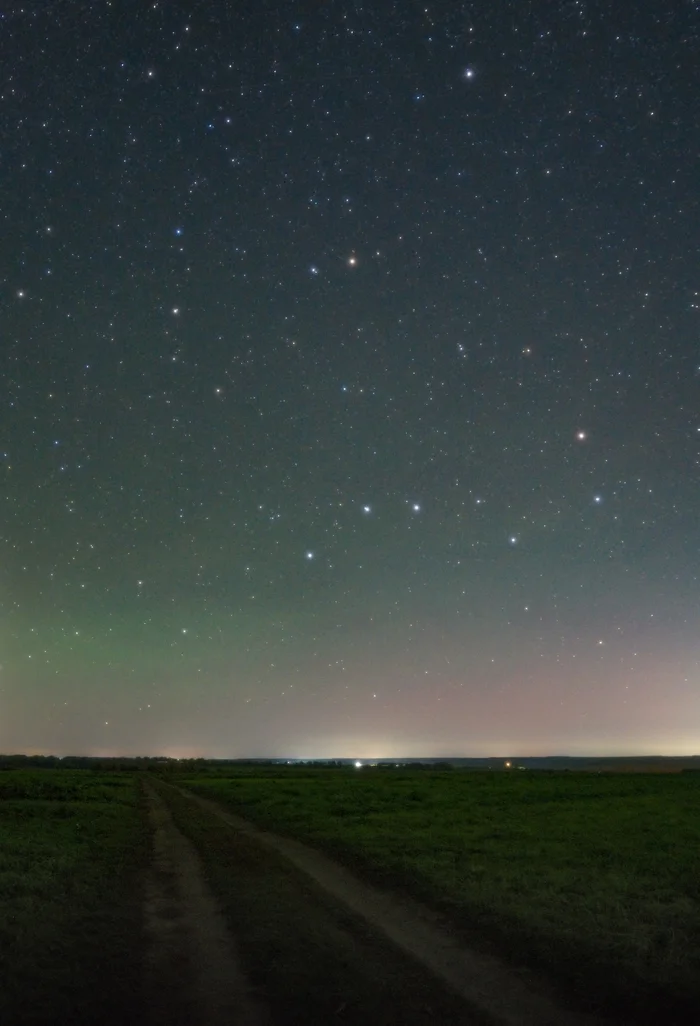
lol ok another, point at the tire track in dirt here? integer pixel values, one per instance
(192, 969)
(486, 983)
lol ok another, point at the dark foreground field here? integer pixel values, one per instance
(123, 899)
(594, 880)
(72, 848)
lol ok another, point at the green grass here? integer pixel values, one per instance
(310, 959)
(72, 846)
(595, 879)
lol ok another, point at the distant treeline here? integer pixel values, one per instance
(164, 764)
(138, 763)
(157, 763)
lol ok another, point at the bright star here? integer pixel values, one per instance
(309, 555)
(581, 436)
(366, 509)
(313, 269)
(416, 507)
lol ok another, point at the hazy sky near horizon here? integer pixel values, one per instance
(351, 378)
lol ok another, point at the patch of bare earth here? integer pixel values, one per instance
(192, 969)
(510, 998)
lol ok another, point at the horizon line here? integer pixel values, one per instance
(343, 758)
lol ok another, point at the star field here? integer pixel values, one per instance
(351, 379)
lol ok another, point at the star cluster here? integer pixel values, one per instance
(351, 379)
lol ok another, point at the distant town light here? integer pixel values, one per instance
(358, 764)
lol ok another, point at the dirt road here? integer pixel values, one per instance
(493, 991)
(193, 972)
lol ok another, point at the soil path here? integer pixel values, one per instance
(511, 998)
(193, 974)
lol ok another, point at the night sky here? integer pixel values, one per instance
(351, 377)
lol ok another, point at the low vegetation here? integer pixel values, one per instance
(72, 844)
(312, 959)
(593, 878)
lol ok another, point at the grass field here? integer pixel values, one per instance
(593, 878)
(72, 844)
(314, 961)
